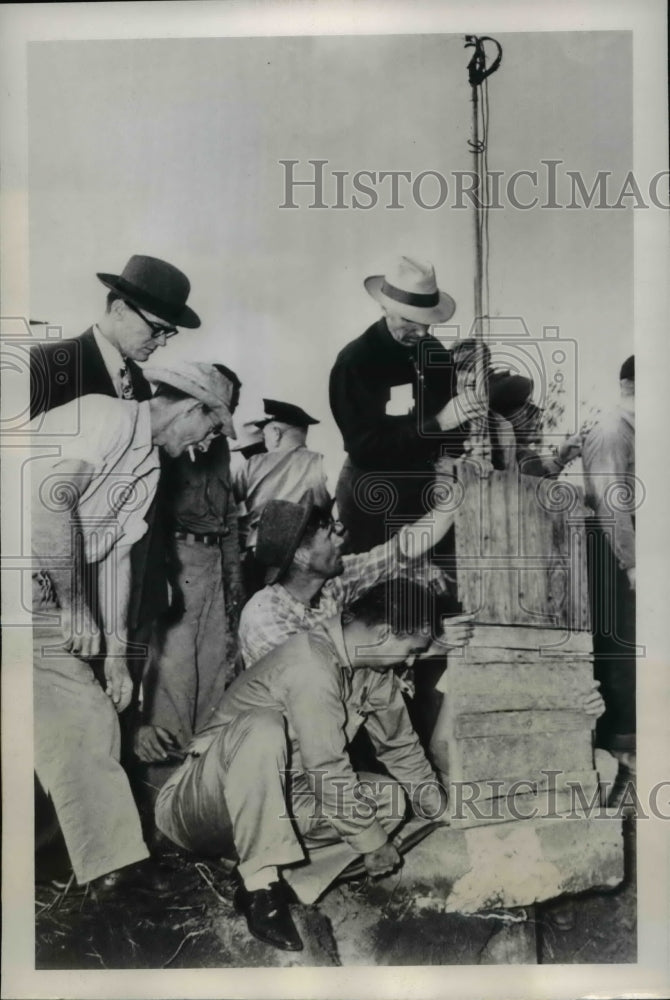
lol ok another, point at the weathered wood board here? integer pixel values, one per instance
(520, 549)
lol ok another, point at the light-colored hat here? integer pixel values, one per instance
(410, 288)
(201, 381)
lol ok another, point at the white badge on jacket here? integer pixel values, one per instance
(401, 401)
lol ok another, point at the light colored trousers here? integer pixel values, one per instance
(188, 665)
(235, 793)
(77, 745)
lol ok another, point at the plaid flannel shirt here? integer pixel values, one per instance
(273, 615)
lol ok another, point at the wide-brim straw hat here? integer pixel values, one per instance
(201, 381)
(410, 289)
(155, 286)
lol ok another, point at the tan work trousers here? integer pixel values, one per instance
(77, 744)
(236, 794)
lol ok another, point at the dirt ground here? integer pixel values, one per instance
(194, 925)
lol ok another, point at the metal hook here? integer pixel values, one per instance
(477, 70)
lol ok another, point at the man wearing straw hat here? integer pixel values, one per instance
(89, 506)
(391, 454)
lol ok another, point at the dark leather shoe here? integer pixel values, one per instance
(145, 876)
(268, 916)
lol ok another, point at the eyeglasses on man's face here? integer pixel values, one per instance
(332, 526)
(157, 329)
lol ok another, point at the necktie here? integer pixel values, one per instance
(127, 391)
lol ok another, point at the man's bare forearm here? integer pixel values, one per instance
(425, 533)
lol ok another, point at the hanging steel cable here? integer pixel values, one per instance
(478, 73)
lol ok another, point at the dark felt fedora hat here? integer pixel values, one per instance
(280, 532)
(156, 286)
(285, 413)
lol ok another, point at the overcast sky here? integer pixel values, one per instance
(172, 148)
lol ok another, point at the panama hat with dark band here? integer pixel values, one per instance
(410, 289)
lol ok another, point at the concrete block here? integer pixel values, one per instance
(509, 864)
(484, 757)
(513, 723)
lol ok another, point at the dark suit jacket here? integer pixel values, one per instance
(61, 371)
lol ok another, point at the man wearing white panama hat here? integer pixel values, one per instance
(395, 452)
(88, 509)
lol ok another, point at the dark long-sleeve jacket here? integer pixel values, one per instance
(360, 388)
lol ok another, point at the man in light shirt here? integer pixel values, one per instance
(146, 305)
(88, 509)
(608, 457)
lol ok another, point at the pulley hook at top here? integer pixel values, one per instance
(477, 69)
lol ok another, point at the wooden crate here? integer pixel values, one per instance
(520, 549)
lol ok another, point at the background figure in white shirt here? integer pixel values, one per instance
(608, 457)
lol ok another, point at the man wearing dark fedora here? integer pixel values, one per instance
(89, 507)
(390, 453)
(146, 304)
(287, 471)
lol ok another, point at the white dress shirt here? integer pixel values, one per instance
(114, 360)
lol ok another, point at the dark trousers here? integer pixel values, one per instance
(613, 624)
